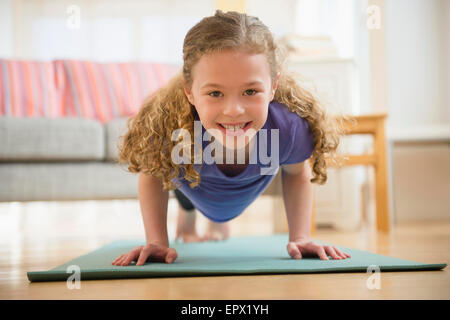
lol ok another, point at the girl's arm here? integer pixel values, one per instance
(153, 201)
(297, 196)
(298, 200)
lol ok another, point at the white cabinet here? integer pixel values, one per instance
(338, 202)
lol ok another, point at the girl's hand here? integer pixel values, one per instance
(149, 252)
(305, 247)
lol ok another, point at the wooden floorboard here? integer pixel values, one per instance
(41, 236)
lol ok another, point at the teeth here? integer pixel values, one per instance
(235, 128)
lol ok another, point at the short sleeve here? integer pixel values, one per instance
(299, 143)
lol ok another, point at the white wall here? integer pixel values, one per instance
(417, 37)
(418, 60)
(108, 30)
(6, 45)
(115, 30)
(278, 16)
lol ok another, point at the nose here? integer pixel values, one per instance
(233, 109)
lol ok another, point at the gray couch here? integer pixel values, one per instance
(62, 159)
(43, 159)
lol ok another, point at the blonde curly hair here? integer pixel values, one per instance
(147, 145)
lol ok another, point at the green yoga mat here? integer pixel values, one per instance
(235, 256)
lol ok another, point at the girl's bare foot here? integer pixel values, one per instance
(217, 231)
(186, 230)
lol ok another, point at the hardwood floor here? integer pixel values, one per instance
(42, 235)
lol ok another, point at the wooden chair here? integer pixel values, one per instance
(373, 124)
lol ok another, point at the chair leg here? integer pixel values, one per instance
(381, 182)
(382, 207)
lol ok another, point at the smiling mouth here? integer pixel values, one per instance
(232, 129)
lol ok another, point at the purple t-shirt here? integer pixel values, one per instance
(220, 197)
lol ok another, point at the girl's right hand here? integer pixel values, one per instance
(149, 252)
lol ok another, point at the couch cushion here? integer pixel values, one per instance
(29, 89)
(34, 139)
(105, 91)
(45, 181)
(114, 129)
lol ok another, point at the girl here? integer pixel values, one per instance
(233, 85)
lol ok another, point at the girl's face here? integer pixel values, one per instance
(232, 88)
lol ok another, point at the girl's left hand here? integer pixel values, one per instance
(305, 247)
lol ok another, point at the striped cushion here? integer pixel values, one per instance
(106, 91)
(29, 89)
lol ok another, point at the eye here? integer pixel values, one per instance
(215, 94)
(252, 92)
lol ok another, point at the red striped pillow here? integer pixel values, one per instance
(106, 91)
(29, 89)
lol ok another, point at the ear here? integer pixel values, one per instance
(275, 85)
(188, 93)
